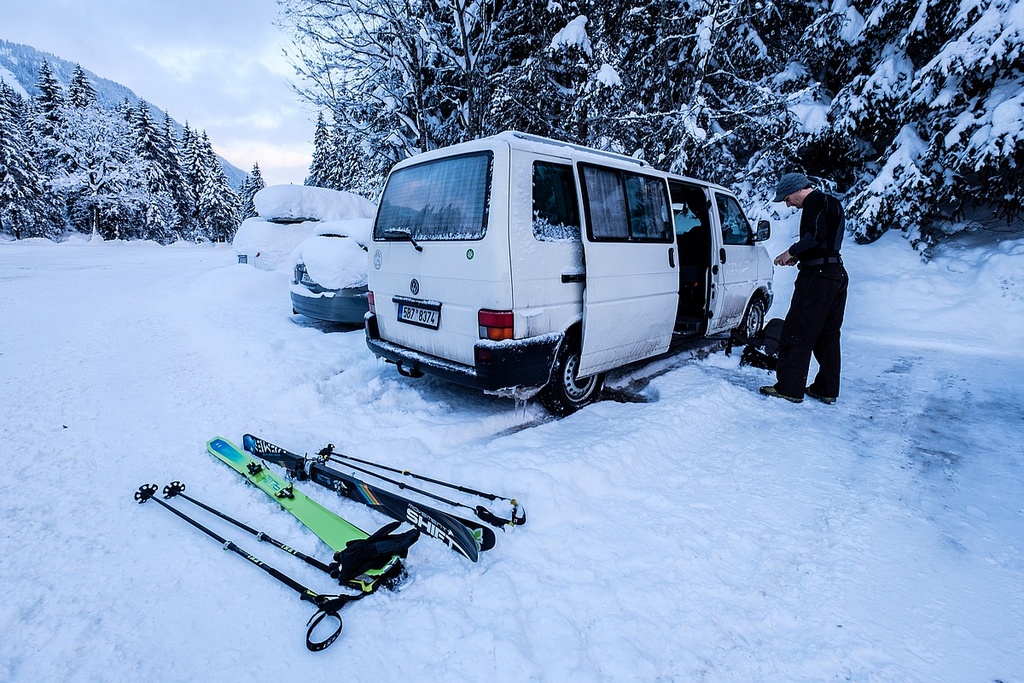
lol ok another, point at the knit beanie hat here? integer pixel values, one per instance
(790, 183)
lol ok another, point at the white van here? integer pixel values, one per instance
(521, 265)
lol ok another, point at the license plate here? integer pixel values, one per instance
(420, 315)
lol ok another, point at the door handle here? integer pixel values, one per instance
(671, 257)
(721, 254)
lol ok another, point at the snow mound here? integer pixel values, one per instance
(297, 203)
(267, 245)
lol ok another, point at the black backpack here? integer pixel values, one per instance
(762, 349)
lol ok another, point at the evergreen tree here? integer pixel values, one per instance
(542, 60)
(217, 204)
(49, 101)
(250, 186)
(81, 92)
(322, 153)
(919, 120)
(194, 174)
(178, 184)
(47, 121)
(354, 166)
(24, 210)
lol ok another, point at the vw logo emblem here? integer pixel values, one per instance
(414, 286)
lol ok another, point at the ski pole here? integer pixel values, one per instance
(329, 451)
(328, 454)
(327, 605)
(176, 488)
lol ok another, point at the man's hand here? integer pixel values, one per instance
(784, 259)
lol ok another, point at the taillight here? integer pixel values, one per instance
(369, 300)
(495, 325)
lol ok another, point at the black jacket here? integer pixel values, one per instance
(822, 225)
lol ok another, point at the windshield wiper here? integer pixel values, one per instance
(404, 234)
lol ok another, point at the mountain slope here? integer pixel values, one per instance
(19, 68)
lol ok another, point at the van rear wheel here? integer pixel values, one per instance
(566, 392)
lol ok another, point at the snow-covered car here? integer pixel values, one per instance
(289, 214)
(329, 272)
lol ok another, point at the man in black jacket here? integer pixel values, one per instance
(819, 296)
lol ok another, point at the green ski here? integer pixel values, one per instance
(335, 531)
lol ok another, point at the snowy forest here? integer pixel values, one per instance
(910, 110)
(67, 163)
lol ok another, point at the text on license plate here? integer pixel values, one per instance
(425, 317)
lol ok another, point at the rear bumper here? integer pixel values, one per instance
(499, 365)
(341, 306)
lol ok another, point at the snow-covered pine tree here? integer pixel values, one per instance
(695, 94)
(925, 119)
(161, 221)
(24, 207)
(180, 192)
(50, 99)
(81, 92)
(217, 204)
(543, 63)
(252, 184)
(520, 88)
(321, 162)
(354, 168)
(47, 121)
(194, 174)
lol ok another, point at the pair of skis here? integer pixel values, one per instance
(359, 556)
(465, 536)
(334, 530)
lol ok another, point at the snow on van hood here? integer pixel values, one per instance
(333, 262)
(303, 203)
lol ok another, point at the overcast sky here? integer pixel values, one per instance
(214, 63)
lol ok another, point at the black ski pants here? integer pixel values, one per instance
(812, 327)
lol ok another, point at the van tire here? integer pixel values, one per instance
(754, 318)
(564, 393)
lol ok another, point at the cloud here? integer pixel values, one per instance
(217, 65)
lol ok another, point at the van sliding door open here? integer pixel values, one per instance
(632, 289)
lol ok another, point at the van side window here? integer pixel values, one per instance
(623, 206)
(556, 212)
(735, 228)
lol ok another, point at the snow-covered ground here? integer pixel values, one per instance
(709, 534)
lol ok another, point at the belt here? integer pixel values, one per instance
(821, 261)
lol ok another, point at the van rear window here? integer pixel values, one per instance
(446, 199)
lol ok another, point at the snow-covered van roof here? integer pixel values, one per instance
(539, 144)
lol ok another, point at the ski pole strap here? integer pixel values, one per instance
(514, 520)
(328, 606)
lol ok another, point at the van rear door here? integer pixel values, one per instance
(632, 279)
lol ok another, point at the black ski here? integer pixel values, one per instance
(466, 537)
